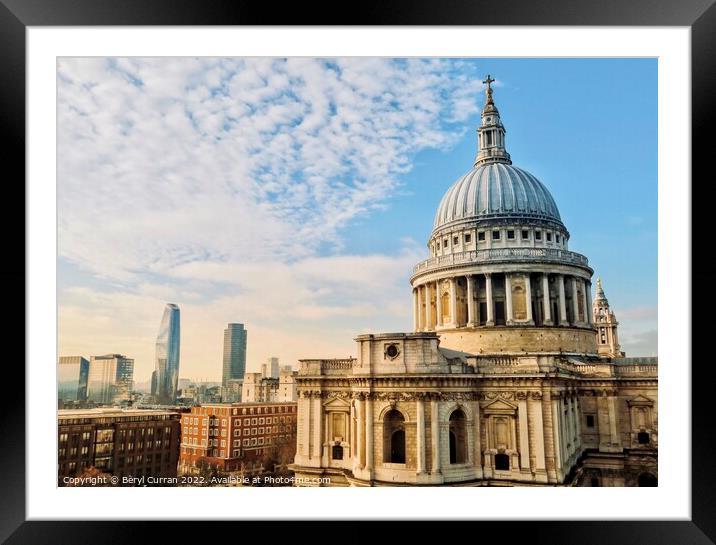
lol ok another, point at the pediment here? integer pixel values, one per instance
(499, 405)
(336, 404)
(640, 400)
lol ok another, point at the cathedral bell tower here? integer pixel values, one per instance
(606, 324)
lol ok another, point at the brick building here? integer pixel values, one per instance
(225, 435)
(121, 442)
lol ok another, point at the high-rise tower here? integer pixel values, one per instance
(166, 374)
(234, 353)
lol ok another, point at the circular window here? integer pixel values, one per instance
(392, 351)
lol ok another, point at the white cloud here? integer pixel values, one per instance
(166, 161)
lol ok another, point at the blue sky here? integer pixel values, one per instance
(294, 196)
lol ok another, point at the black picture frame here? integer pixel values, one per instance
(699, 15)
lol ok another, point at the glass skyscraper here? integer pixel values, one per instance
(110, 378)
(166, 373)
(72, 374)
(234, 353)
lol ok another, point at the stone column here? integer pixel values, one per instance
(546, 303)
(556, 429)
(528, 296)
(477, 456)
(470, 300)
(540, 464)
(587, 308)
(318, 428)
(613, 434)
(369, 436)
(575, 301)
(453, 303)
(508, 299)
(428, 309)
(562, 301)
(435, 436)
(577, 422)
(490, 303)
(420, 435)
(524, 435)
(360, 446)
(438, 304)
(416, 317)
(571, 426)
(588, 291)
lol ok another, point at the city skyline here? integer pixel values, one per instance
(316, 226)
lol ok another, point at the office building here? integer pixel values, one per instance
(225, 436)
(72, 374)
(120, 442)
(234, 365)
(166, 373)
(110, 378)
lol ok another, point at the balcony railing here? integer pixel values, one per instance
(497, 255)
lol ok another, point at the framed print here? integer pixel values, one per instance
(223, 222)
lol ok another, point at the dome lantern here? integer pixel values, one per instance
(491, 132)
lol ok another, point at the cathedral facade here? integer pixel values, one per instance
(512, 375)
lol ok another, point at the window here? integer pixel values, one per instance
(261, 420)
(511, 234)
(556, 238)
(223, 443)
(253, 421)
(502, 462)
(468, 238)
(246, 442)
(590, 420)
(538, 235)
(63, 437)
(495, 235)
(458, 437)
(246, 431)
(445, 243)
(246, 422)
(394, 437)
(643, 438)
(549, 237)
(337, 452)
(481, 235)
(525, 234)
(438, 244)
(455, 240)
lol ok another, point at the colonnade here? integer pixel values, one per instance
(429, 314)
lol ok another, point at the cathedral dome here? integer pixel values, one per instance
(496, 190)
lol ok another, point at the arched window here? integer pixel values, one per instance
(458, 437)
(394, 437)
(647, 479)
(502, 462)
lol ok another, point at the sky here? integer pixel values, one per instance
(295, 195)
